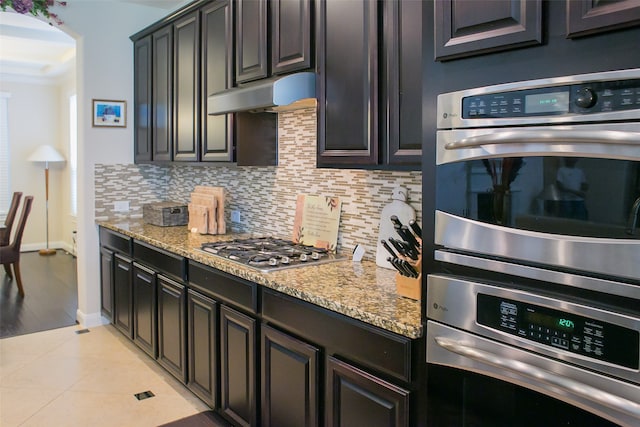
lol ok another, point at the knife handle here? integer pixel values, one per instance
(409, 238)
(388, 248)
(415, 227)
(395, 220)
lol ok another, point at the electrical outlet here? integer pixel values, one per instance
(121, 206)
(235, 216)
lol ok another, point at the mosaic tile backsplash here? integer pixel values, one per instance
(266, 196)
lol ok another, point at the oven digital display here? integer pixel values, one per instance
(555, 322)
(552, 102)
(561, 330)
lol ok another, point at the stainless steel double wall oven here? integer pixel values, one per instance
(534, 318)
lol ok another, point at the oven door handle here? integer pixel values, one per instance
(547, 136)
(591, 393)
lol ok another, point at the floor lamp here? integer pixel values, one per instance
(46, 154)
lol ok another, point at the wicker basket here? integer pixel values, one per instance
(165, 214)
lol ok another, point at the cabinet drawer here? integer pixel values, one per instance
(223, 286)
(375, 348)
(116, 241)
(160, 260)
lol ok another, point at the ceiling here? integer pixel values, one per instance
(31, 48)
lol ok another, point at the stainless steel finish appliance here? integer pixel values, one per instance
(265, 95)
(581, 354)
(503, 155)
(270, 254)
(533, 318)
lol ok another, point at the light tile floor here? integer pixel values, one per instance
(61, 378)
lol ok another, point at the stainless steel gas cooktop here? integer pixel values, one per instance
(270, 254)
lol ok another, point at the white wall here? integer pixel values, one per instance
(105, 71)
(34, 120)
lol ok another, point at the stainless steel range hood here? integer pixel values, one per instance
(283, 93)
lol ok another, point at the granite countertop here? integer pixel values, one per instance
(360, 290)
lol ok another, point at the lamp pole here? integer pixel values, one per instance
(46, 251)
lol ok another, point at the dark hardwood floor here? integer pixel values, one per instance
(51, 295)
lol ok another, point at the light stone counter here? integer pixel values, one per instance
(361, 290)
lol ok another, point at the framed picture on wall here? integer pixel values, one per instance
(109, 113)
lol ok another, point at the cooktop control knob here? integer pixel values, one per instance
(586, 98)
(273, 261)
(315, 255)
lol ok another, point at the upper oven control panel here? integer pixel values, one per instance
(586, 98)
(595, 97)
(576, 334)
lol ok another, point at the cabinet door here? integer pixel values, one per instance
(251, 40)
(464, 28)
(586, 17)
(186, 113)
(238, 366)
(142, 100)
(291, 30)
(106, 282)
(122, 295)
(289, 380)
(202, 327)
(172, 341)
(162, 93)
(357, 398)
(144, 309)
(348, 82)
(401, 93)
(217, 75)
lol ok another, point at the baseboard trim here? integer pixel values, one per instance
(32, 247)
(90, 320)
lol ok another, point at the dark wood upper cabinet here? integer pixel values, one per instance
(162, 94)
(355, 397)
(251, 40)
(217, 75)
(465, 28)
(289, 381)
(401, 83)
(186, 37)
(347, 45)
(586, 17)
(291, 35)
(142, 100)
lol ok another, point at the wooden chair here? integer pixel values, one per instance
(10, 254)
(5, 232)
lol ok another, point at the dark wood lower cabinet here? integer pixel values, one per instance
(144, 309)
(238, 366)
(106, 282)
(357, 398)
(202, 331)
(289, 380)
(172, 349)
(122, 295)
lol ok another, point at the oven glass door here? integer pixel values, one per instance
(475, 381)
(539, 182)
(465, 399)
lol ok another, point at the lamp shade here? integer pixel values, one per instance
(46, 153)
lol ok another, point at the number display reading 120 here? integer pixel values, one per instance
(549, 321)
(566, 324)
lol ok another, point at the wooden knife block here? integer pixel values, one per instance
(410, 287)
